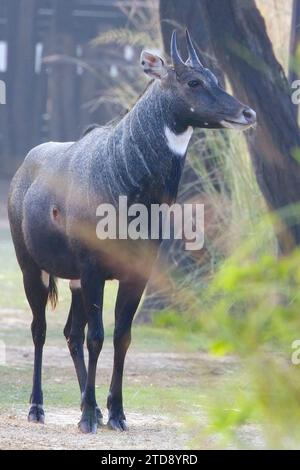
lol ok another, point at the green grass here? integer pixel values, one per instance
(64, 392)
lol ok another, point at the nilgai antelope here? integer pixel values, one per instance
(53, 215)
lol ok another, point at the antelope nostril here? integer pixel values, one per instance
(249, 114)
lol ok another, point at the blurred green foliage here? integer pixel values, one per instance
(251, 309)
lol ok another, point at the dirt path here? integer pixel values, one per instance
(59, 432)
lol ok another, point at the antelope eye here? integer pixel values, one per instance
(194, 83)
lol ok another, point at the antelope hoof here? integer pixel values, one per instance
(117, 423)
(36, 414)
(89, 420)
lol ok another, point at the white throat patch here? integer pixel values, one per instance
(178, 143)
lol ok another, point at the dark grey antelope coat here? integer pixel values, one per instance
(130, 158)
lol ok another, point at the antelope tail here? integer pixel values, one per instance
(53, 292)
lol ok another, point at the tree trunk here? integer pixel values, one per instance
(245, 52)
(21, 65)
(63, 75)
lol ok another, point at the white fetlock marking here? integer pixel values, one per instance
(45, 279)
(178, 143)
(75, 284)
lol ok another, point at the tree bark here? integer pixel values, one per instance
(245, 52)
(21, 65)
(62, 75)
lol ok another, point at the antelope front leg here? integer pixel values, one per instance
(128, 299)
(74, 333)
(92, 291)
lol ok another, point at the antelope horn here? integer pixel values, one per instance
(193, 59)
(176, 59)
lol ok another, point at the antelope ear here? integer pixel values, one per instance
(153, 65)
